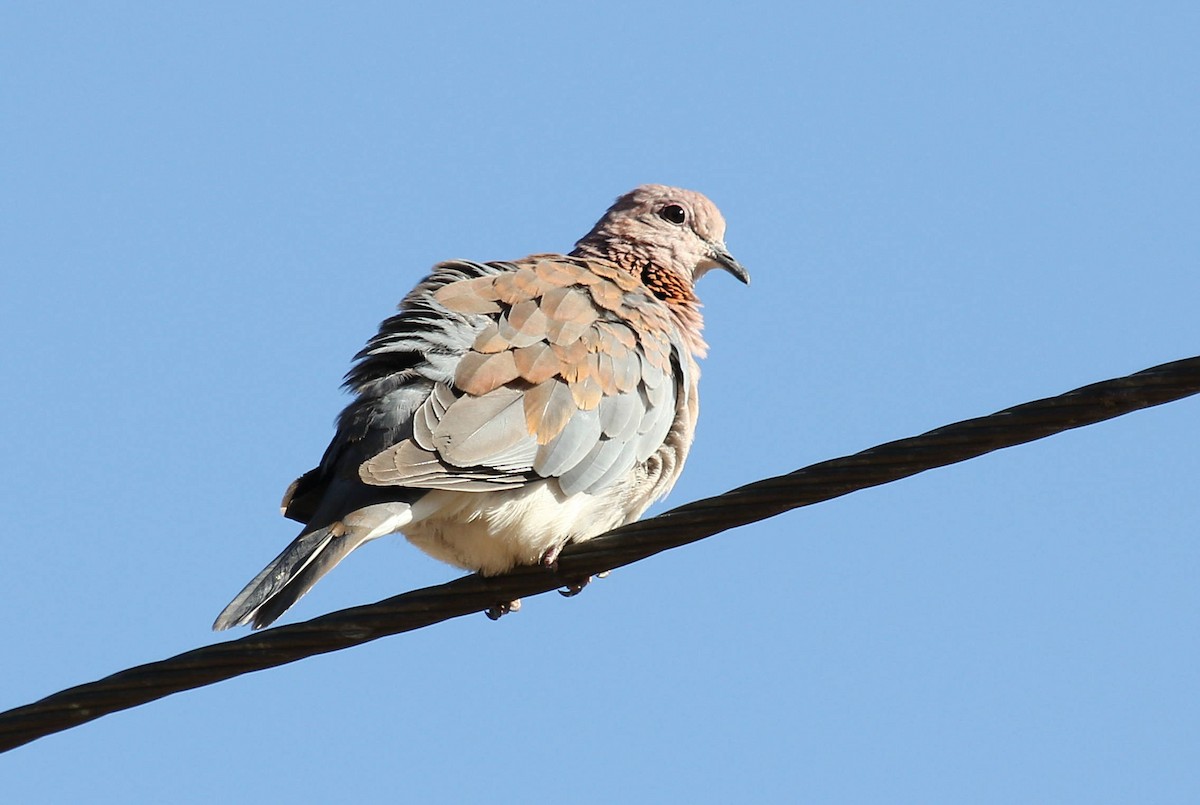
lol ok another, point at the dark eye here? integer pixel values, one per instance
(673, 213)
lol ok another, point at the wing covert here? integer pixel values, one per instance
(568, 375)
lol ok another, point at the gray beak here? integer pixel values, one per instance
(721, 256)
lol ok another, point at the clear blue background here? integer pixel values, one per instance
(948, 208)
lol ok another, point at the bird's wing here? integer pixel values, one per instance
(571, 370)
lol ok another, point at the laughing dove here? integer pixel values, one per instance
(510, 409)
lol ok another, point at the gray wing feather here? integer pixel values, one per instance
(406, 464)
(570, 447)
(620, 415)
(476, 429)
(607, 460)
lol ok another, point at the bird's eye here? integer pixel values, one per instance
(673, 213)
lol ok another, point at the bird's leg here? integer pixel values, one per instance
(549, 559)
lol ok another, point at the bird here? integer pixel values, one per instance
(509, 409)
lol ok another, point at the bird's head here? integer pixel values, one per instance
(669, 227)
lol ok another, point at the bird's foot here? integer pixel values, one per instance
(498, 611)
(574, 588)
(549, 561)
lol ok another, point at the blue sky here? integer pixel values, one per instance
(947, 209)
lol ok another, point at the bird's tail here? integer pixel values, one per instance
(302, 564)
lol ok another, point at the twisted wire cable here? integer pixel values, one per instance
(622, 546)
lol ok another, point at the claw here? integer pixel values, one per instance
(498, 611)
(574, 588)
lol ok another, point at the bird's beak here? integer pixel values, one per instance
(721, 256)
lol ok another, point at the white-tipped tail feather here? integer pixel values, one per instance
(302, 563)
